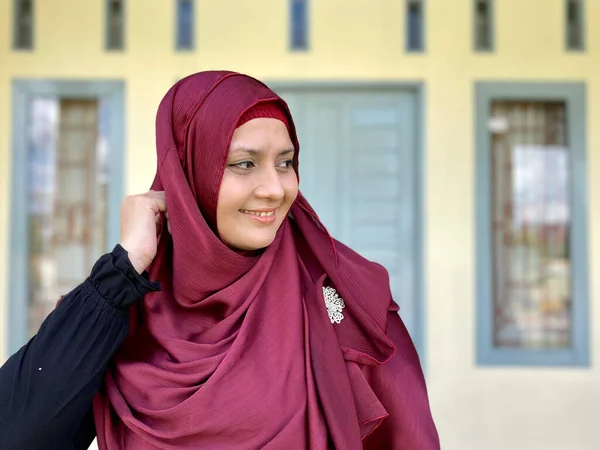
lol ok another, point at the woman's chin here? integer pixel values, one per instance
(251, 243)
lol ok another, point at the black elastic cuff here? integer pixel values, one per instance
(116, 279)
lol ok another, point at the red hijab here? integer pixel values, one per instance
(238, 350)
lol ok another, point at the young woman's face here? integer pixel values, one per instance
(259, 184)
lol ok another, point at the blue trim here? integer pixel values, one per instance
(184, 39)
(19, 248)
(420, 257)
(22, 92)
(298, 25)
(581, 25)
(16, 45)
(492, 29)
(574, 94)
(116, 188)
(415, 44)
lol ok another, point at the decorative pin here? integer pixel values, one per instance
(334, 304)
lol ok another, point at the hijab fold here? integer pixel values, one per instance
(237, 350)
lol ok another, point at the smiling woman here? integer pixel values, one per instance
(262, 332)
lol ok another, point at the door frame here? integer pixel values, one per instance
(23, 90)
(418, 90)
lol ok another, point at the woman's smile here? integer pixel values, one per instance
(266, 215)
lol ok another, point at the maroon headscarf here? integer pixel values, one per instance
(237, 350)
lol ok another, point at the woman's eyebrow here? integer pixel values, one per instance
(253, 152)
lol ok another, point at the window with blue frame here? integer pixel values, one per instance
(531, 225)
(299, 24)
(68, 135)
(574, 25)
(184, 27)
(415, 26)
(23, 25)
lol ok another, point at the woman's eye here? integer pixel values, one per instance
(287, 164)
(243, 165)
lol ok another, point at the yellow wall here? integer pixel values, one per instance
(475, 408)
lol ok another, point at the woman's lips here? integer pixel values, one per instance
(265, 216)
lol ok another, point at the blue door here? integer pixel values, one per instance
(360, 169)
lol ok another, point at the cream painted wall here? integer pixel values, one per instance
(475, 408)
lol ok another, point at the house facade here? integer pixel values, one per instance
(451, 141)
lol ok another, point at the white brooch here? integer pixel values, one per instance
(334, 304)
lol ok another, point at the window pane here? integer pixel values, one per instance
(574, 25)
(115, 26)
(67, 208)
(531, 226)
(483, 25)
(23, 25)
(415, 25)
(185, 24)
(299, 25)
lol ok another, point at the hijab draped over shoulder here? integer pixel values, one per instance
(237, 350)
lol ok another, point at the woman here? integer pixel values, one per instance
(264, 333)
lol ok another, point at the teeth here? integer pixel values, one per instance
(260, 214)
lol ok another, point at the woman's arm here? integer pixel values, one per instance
(46, 388)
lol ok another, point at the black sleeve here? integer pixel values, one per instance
(46, 388)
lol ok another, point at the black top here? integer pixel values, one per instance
(46, 388)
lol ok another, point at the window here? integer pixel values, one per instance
(299, 24)
(184, 27)
(68, 166)
(574, 25)
(414, 25)
(531, 234)
(23, 25)
(68, 200)
(115, 26)
(484, 29)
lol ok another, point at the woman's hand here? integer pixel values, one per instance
(141, 225)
